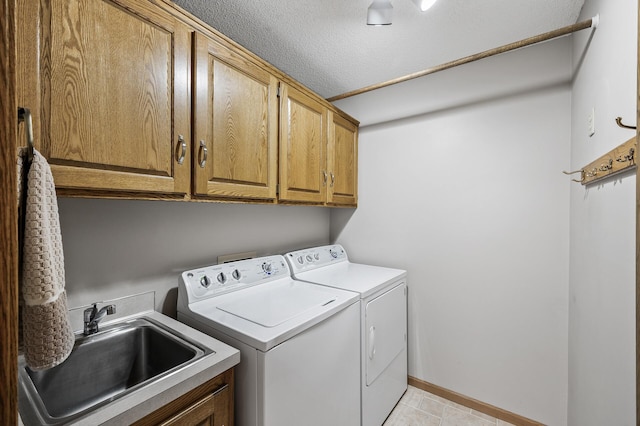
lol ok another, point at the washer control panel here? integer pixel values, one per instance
(312, 258)
(214, 280)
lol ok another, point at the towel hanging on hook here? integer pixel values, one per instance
(47, 336)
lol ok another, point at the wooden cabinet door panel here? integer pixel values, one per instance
(114, 95)
(222, 407)
(342, 161)
(208, 404)
(236, 120)
(212, 410)
(303, 174)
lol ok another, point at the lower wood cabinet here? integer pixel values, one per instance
(210, 404)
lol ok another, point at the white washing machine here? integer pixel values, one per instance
(383, 321)
(299, 342)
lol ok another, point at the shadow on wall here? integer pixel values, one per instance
(470, 103)
(170, 302)
(339, 220)
(519, 71)
(618, 179)
(115, 248)
(583, 54)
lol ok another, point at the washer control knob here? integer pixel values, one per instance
(236, 274)
(316, 256)
(300, 260)
(333, 253)
(205, 281)
(309, 258)
(266, 267)
(222, 278)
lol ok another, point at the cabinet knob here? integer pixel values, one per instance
(324, 180)
(183, 149)
(204, 152)
(333, 179)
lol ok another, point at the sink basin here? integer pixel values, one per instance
(103, 367)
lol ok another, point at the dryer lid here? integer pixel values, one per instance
(364, 279)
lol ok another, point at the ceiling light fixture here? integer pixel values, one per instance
(380, 11)
(423, 5)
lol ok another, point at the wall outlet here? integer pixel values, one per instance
(591, 122)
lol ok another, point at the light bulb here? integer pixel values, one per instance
(423, 5)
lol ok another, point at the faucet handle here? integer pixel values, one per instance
(92, 317)
(90, 313)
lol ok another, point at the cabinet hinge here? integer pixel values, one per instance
(278, 90)
(278, 189)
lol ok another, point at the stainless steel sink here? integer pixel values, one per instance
(102, 368)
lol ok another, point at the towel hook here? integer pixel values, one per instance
(627, 158)
(25, 115)
(624, 126)
(606, 166)
(573, 173)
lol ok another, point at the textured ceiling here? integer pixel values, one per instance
(327, 46)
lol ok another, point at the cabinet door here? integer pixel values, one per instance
(109, 80)
(212, 410)
(342, 161)
(208, 404)
(303, 140)
(236, 125)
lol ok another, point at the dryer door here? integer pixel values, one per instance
(386, 330)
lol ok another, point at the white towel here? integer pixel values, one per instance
(47, 334)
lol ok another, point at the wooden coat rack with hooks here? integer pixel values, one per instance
(619, 159)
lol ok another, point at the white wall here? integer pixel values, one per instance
(468, 196)
(602, 285)
(116, 248)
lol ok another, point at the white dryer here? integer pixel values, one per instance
(383, 321)
(299, 342)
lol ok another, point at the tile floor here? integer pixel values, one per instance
(420, 408)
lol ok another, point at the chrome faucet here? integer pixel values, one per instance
(92, 317)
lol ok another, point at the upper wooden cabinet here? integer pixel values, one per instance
(139, 99)
(318, 152)
(303, 147)
(108, 82)
(342, 161)
(235, 124)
